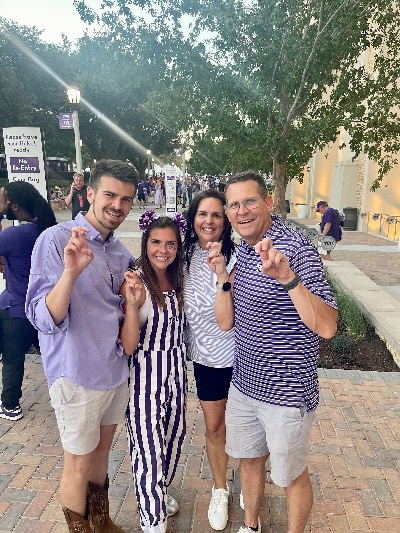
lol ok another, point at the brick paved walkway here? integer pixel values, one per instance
(354, 465)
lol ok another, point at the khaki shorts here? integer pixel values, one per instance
(254, 429)
(80, 412)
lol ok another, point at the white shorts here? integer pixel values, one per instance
(80, 412)
(255, 429)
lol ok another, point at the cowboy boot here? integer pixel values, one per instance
(76, 524)
(99, 517)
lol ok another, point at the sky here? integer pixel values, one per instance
(52, 16)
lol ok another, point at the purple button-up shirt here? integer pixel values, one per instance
(85, 347)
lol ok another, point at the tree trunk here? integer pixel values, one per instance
(280, 183)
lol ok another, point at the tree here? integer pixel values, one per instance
(279, 76)
(113, 83)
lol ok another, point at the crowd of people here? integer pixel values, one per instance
(249, 316)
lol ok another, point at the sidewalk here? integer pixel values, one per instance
(355, 451)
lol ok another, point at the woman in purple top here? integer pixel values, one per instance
(19, 201)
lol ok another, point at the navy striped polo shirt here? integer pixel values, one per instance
(276, 355)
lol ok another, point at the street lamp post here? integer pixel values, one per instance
(148, 162)
(74, 97)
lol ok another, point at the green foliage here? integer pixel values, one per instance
(272, 78)
(351, 321)
(343, 344)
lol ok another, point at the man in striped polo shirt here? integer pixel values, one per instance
(281, 304)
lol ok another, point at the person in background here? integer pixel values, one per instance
(77, 196)
(210, 349)
(190, 190)
(184, 194)
(153, 332)
(141, 194)
(330, 224)
(73, 300)
(281, 305)
(19, 201)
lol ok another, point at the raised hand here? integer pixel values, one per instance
(215, 260)
(274, 263)
(133, 288)
(77, 254)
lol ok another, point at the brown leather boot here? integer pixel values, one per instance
(76, 524)
(99, 517)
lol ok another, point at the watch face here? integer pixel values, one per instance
(226, 286)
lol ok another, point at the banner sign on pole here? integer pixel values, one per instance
(170, 190)
(24, 157)
(65, 121)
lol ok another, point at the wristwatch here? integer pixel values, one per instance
(292, 284)
(225, 287)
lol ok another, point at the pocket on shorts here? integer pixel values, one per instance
(65, 391)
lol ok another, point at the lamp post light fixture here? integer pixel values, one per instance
(74, 97)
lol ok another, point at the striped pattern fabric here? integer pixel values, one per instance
(207, 344)
(276, 355)
(155, 420)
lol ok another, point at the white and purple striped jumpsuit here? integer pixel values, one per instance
(156, 414)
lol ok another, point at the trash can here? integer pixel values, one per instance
(301, 210)
(287, 206)
(350, 218)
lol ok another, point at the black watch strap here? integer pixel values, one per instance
(292, 284)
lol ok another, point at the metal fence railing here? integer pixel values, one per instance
(318, 240)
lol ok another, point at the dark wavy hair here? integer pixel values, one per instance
(28, 198)
(174, 270)
(191, 237)
(119, 170)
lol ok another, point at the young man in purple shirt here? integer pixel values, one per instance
(73, 300)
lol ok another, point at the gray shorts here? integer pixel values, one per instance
(254, 429)
(80, 412)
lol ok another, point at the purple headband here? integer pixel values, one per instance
(150, 216)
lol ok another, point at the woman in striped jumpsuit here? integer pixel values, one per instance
(153, 332)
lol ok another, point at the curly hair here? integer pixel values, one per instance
(228, 246)
(174, 270)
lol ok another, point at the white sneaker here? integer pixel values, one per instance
(172, 505)
(247, 529)
(218, 508)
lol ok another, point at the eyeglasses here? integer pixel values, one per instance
(249, 203)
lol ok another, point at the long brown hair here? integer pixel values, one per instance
(174, 270)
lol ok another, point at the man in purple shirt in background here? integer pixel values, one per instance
(330, 223)
(73, 301)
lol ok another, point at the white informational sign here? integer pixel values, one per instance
(170, 190)
(25, 158)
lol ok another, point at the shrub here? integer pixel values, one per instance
(351, 319)
(343, 344)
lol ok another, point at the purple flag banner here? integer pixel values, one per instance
(65, 121)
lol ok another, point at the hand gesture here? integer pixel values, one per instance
(4, 202)
(215, 259)
(77, 254)
(133, 288)
(274, 263)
